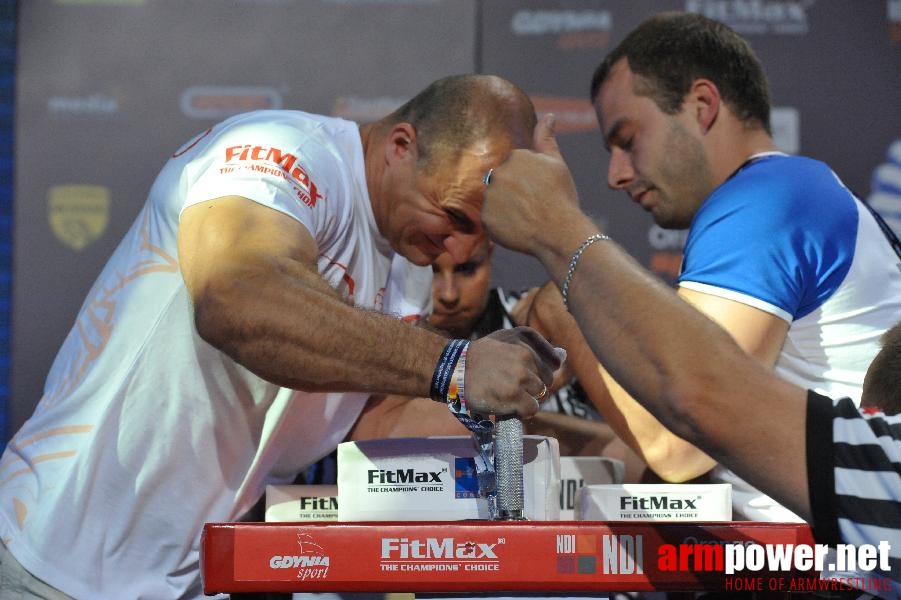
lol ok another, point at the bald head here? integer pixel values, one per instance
(461, 111)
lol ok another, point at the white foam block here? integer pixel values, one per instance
(434, 479)
(578, 471)
(289, 503)
(655, 502)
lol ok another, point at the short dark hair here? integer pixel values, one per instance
(673, 49)
(455, 112)
(882, 383)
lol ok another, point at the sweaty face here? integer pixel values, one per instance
(654, 157)
(438, 210)
(460, 291)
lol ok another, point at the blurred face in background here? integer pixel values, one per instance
(460, 291)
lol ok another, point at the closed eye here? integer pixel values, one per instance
(467, 268)
(461, 221)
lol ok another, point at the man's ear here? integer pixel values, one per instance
(707, 101)
(401, 143)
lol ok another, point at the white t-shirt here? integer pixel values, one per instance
(145, 432)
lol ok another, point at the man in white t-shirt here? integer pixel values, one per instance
(269, 285)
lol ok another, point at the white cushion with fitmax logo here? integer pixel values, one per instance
(655, 502)
(434, 479)
(301, 503)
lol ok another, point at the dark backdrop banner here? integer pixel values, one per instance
(7, 85)
(107, 89)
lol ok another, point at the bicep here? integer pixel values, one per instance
(759, 333)
(233, 231)
(754, 429)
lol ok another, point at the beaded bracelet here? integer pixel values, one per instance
(575, 261)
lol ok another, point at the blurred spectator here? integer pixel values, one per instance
(885, 188)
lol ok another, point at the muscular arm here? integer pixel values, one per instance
(672, 458)
(252, 275)
(251, 272)
(692, 376)
(397, 416)
(575, 435)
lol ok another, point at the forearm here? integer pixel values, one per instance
(286, 325)
(689, 372)
(576, 436)
(671, 457)
(620, 309)
(252, 275)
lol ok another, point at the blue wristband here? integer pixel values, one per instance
(444, 370)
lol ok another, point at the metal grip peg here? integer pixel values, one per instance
(508, 467)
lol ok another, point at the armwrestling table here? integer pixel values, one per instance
(482, 556)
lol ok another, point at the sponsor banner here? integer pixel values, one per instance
(78, 213)
(572, 29)
(666, 252)
(757, 17)
(500, 556)
(785, 122)
(573, 115)
(219, 102)
(365, 110)
(893, 10)
(101, 2)
(96, 105)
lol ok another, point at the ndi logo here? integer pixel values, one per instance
(618, 554)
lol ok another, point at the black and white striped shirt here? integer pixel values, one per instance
(854, 475)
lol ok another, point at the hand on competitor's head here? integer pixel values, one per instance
(531, 197)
